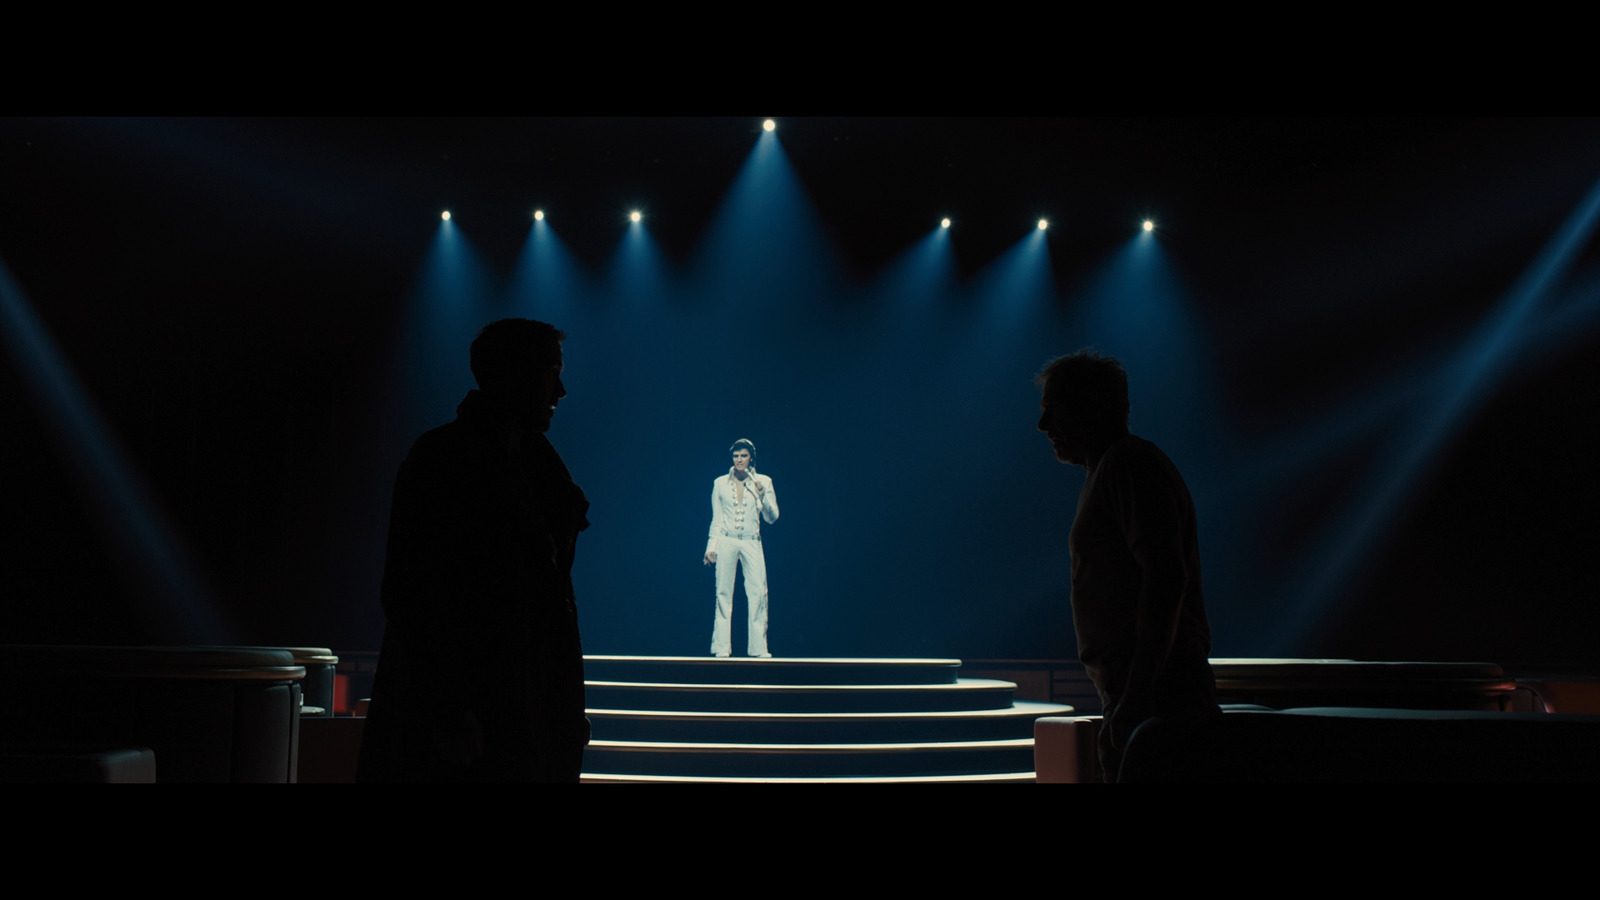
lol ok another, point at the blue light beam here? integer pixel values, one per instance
(449, 303)
(129, 518)
(548, 281)
(1471, 378)
(764, 232)
(1015, 285)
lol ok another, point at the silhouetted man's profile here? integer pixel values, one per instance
(481, 673)
(1136, 601)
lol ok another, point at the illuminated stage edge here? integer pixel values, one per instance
(700, 719)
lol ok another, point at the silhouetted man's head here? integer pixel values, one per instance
(1083, 405)
(518, 363)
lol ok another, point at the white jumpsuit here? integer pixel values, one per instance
(736, 538)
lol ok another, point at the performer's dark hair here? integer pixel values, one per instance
(1097, 384)
(501, 347)
(743, 444)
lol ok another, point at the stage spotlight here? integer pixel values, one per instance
(944, 223)
(634, 216)
(1043, 224)
(538, 215)
(445, 215)
(1149, 225)
(769, 125)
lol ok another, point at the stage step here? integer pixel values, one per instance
(804, 720)
(995, 778)
(816, 760)
(743, 670)
(965, 694)
(834, 727)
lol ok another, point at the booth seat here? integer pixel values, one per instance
(208, 714)
(1257, 745)
(1366, 745)
(1341, 720)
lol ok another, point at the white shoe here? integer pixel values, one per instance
(765, 656)
(721, 655)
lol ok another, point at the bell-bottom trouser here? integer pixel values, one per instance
(731, 553)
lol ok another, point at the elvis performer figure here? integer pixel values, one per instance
(739, 501)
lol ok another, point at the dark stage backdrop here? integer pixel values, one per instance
(1371, 347)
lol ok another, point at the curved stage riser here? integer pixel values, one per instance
(965, 694)
(781, 670)
(1002, 724)
(749, 761)
(700, 719)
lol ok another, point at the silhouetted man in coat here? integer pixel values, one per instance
(1136, 600)
(481, 672)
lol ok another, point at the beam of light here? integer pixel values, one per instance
(945, 222)
(1569, 321)
(626, 357)
(1149, 225)
(913, 287)
(1316, 442)
(636, 277)
(635, 216)
(450, 301)
(765, 229)
(148, 548)
(445, 216)
(977, 360)
(769, 125)
(426, 375)
(1482, 360)
(548, 283)
(1135, 306)
(1388, 399)
(1043, 224)
(1015, 285)
(538, 215)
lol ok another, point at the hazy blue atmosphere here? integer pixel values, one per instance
(1371, 346)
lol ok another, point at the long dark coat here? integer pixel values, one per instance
(477, 590)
